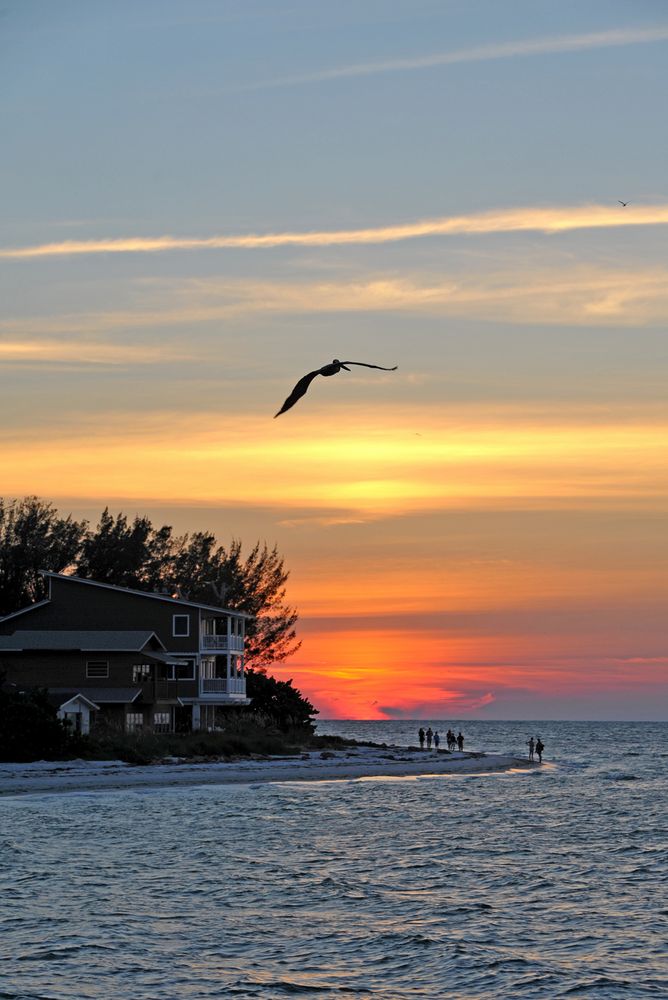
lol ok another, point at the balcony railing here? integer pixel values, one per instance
(222, 685)
(223, 642)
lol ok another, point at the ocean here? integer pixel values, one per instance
(541, 884)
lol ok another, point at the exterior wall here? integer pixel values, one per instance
(75, 605)
(68, 669)
(79, 717)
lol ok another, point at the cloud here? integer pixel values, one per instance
(78, 352)
(478, 53)
(489, 462)
(548, 219)
(441, 700)
(586, 296)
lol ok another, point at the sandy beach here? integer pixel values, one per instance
(330, 765)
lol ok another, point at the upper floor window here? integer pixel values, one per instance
(181, 625)
(141, 672)
(97, 668)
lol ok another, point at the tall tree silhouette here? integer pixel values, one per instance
(33, 537)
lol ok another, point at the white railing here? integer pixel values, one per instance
(214, 642)
(224, 642)
(222, 685)
(213, 685)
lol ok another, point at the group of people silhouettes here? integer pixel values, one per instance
(536, 747)
(431, 736)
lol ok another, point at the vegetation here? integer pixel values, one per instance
(30, 728)
(33, 537)
(252, 739)
(279, 722)
(279, 703)
(134, 554)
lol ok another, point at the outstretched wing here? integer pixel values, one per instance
(365, 365)
(298, 391)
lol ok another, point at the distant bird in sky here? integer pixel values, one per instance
(333, 369)
(624, 203)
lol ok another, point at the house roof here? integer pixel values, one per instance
(178, 601)
(61, 698)
(107, 696)
(97, 641)
(172, 659)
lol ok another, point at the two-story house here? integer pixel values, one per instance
(130, 658)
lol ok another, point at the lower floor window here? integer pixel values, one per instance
(161, 722)
(134, 722)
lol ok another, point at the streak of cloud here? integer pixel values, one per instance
(82, 353)
(553, 219)
(588, 296)
(479, 53)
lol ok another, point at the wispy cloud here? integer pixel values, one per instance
(586, 296)
(80, 352)
(479, 53)
(527, 219)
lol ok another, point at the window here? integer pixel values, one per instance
(181, 625)
(134, 722)
(141, 672)
(97, 668)
(161, 722)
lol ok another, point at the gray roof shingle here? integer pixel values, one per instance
(102, 640)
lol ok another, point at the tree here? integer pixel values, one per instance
(127, 555)
(283, 704)
(29, 726)
(33, 537)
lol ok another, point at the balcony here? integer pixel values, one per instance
(223, 643)
(234, 687)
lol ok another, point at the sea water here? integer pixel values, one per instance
(549, 883)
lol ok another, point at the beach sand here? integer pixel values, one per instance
(330, 765)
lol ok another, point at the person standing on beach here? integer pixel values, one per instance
(437, 738)
(429, 738)
(539, 749)
(460, 740)
(421, 737)
(531, 745)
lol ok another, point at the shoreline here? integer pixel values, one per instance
(348, 764)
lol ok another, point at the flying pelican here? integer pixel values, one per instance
(326, 370)
(624, 203)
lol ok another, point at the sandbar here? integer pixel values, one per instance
(357, 762)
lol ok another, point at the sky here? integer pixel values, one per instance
(205, 200)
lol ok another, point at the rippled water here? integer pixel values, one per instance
(547, 883)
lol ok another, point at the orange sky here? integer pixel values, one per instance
(498, 561)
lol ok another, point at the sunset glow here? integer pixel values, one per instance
(479, 533)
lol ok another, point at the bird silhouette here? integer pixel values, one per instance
(332, 369)
(624, 203)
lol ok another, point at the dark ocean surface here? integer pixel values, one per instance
(548, 883)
